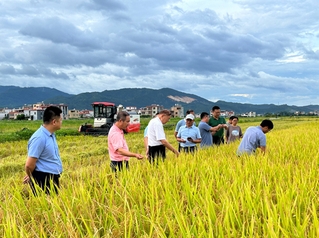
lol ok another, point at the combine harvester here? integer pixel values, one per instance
(105, 116)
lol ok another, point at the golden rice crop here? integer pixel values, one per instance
(210, 194)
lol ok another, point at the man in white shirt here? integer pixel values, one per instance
(156, 137)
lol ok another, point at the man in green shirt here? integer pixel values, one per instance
(215, 120)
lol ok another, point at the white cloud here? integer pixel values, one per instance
(242, 50)
(242, 95)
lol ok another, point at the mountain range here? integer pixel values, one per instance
(14, 97)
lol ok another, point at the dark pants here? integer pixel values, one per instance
(118, 165)
(155, 152)
(218, 140)
(179, 147)
(46, 181)
(189, 149)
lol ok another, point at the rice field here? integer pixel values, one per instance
(210, 194)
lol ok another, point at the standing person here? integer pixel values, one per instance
(206, 131)
(43, 165)
(146, 138)
(156, 137)
(182, 122)
(215, 120)
(233, 131)
(254, 138)
(118, 150)
(229, 122)
(189, 135)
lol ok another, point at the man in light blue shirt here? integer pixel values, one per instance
(181, 123)
(188, 135)
(254, 138)
(43, 166)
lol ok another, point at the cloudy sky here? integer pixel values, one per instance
(249, 51)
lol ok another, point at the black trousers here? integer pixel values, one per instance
(189, 149)
(46, 181)
(156, 152)
(218, 140)
(118, 165)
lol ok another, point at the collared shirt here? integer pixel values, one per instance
(116, 141)
(215, 122)
(184, 132)
(253, 138)
(43, 146)
(155, 132)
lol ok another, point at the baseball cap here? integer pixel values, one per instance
(190, 116)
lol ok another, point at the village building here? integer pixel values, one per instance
(74, 114)
(150, 110)
(248, 114)
(177, 111)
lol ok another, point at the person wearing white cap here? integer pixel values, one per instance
(189, 135)
(182, 122)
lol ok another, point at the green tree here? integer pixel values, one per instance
(21, 117)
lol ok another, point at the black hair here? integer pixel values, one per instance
(189, 111)
(51, 113)
(233, 117)
(215, 108)
(267, 123)
(121, 116)
(203, 114)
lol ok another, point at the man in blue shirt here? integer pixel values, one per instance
(182, 122)
(206, 131)
(188, 135)
(254, 138)
(44, 166)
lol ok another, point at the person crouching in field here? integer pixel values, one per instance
(254, 138)
(118, 150)
(233, 131)
(44, 166)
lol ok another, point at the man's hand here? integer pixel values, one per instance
(139, 156)
(224, 126)
(26, 179)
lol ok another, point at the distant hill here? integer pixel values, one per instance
(11, 96)
(138, 97)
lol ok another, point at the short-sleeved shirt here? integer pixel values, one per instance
(204, 129)
(215, 122)
(182, 123)
(155, 132)
(116, 140)
(43, 146)
(184, 132)
(233, 133)
(145, 131)
(253, 138)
